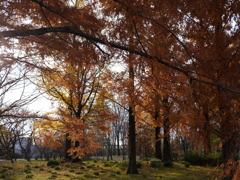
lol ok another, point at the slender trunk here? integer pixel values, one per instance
(118, 145)
(132, 167)
(206, 133)
(67, 147)
(166, 142)
(158, 145)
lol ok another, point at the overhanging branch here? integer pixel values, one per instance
(75, 31)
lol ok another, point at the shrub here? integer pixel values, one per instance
(113, 175)
(53, 163)
(57, 168)
(82, 167)
(3, 171)
(54, 176)
(79, 172)
(88, 176)
(199, 159)
(36, 167)
(154, 163)
(187, 164)
(71, 170)
(2, 176)
(168, 164)
(118, 172)
(194, 158)
(41, 169)
(29, 176)
(123, 164)
(27, 171)
(106, 165)
(139, 164)
(96, 173)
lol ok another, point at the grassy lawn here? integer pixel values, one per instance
(101, 170)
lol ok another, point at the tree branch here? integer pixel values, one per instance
(75, 31)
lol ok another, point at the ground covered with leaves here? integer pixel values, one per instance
(42, 170)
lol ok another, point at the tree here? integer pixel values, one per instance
(75, 85)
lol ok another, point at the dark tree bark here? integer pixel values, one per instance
(67, 147)
(206, 132)
(132, 167)
(166, 141)
(158, 145)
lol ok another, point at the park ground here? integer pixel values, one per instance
(98, 169)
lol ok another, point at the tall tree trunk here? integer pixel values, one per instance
(132, 167)
(158, 145)
(67, 147)
(118, 145)
(206, 133)
(166, 141)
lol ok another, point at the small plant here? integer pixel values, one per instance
(67, 175)
(89, 166)
(187, 164)
(29, 176)
(54, 172)
(79, 172)
(82, 167)
(106, 165)
(113, 175)
(88, 176)
(41, 169)
(3, 171)
(36, 167)
(27, 165)
(27, 171)
(168, 164)
(2, 176)
(144, 175)
(118, 172)
(53, 163)
(54, 176)
(57, 168)
(96, 173)
(67, 166)
(71, 170)
(103, 171)
(155, 163)
(95, 161)
(139, 164)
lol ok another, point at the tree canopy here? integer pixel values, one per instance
(180, 65)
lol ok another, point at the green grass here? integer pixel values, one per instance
(99, 170)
